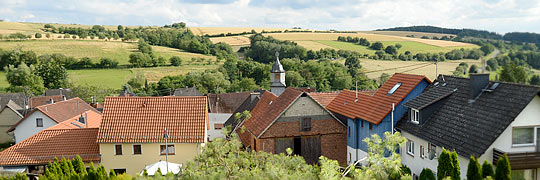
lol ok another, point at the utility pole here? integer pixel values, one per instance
(356, 91)
(437, 68)
(393, 107)
(165, 135)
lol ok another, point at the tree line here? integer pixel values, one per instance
(458, 32)
(390, 52)
(247, 75)
(18, 56)
(176, 36)
(523, 37)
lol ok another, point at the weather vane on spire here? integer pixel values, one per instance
(277, 54)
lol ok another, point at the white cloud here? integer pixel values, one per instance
(493, 15)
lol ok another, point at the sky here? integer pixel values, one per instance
(493, 15)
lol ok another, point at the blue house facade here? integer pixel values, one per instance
(372, 114)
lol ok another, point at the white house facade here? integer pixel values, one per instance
(499, 119)
(32, 124)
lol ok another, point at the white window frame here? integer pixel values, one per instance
(121, 148)
(133, 149)
(167, 149)
(410, 147)
(414, 116)
(526, 144)
(422, 152)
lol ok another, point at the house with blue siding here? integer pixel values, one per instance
(375, 113)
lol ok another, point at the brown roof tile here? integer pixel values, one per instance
(42, 100)
(375, 108)
(324, 98)
(143, 119)
(226, 102)
(61, 111)
(268, 109)
(44, 146)
(93, 119)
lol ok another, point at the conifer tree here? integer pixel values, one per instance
(427, 174)
(456, 173)
(78, 165)
(444, 169)
(503, 170)
(487, 169)
(474, 171)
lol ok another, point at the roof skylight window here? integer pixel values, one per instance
(393, 89)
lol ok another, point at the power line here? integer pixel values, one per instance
(416, 68)
(394, 68)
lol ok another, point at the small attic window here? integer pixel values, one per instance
(494, 86)
(393, 89)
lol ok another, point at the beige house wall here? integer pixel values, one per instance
(7, 119)
(134, 164)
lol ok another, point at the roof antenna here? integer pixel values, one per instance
(356, 92)
(86, 118)
(484, 65)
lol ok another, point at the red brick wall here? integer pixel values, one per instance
(333, 137)
(266, 145)
(334, 146)
(288, 129)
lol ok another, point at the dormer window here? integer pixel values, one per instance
(415, 116)
(393, 89)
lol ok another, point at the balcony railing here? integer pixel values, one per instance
(519, 160)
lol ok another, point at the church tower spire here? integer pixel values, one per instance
(277, 77)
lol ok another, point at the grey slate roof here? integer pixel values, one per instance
(248, 104)
(277, 67)
(64, 92)
(192, 91)
(429, 97)
(18, 98)
(469, 128)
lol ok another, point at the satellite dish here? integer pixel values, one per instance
(431, 155)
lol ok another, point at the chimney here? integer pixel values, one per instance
(82, 119)
(477, 83)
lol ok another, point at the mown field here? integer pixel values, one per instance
(225, 30)
(115, 78)
(408, 33)
(374, 68)
(412, 46)
(316, 41)
(119, 51)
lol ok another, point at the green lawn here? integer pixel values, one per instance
(111, 78)
(413, 47)
(119, 51)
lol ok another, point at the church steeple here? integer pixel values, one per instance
(277, 77)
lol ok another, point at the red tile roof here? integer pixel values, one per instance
(268, 109)
(44, 146)
(143, 119)
(324, 98)
(60, 111)
(375, 108)
(93, 120)
(42, 100)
